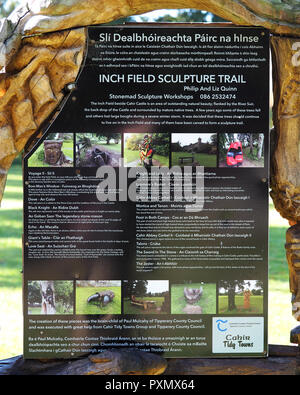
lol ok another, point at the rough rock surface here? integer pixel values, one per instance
(110, 362)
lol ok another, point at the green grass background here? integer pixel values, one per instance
(112, 147)
(11, 318)
(203, 159)
(34, 160)
(256, 305)
(207, 300)
(82, 307)
(59, 310)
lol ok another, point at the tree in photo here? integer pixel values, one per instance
(241, 296)
(64, 296)
(232, 287)
(134, 287)
(98, 149)
(48, 297)
(260, 145)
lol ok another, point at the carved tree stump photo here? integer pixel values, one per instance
(48, 297)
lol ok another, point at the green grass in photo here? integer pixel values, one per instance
(37, 158)
(205, 160)
(60, 309)
(83, 307)
(256, 305)
(111, 147)
(207, 301)
(134, 309)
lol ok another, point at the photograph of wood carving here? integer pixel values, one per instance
(241, 150)
(55, 151)
(146, 297)
(193, 298)
(98, 149)
(98, 297)
(50, 297)
(240, 297)
(146, 149)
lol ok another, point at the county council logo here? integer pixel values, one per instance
(221, 325)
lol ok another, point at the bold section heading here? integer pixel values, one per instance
(177, 38)
(173, 78)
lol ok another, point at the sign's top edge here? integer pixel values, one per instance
(169, 25)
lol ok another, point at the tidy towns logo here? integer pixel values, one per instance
(238, 334)
(152, 184)
(237, 341)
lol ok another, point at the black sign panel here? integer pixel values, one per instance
(146, 200)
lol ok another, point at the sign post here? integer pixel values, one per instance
(146, 200)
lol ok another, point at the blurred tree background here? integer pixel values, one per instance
(190, 15)
(7, 6)
(11, 212)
